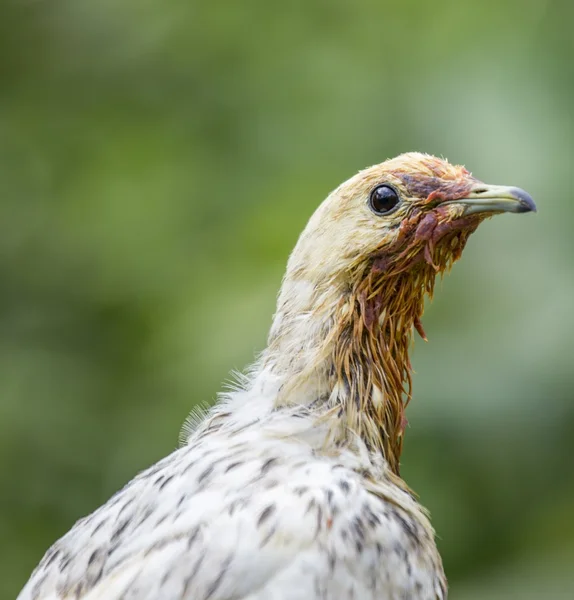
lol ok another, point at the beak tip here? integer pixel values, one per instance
(526, 203)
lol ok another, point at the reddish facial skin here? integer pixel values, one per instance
(428, 230)
(437, 189)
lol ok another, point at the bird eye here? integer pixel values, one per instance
(383, 199)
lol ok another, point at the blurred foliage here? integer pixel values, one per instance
(158, 160)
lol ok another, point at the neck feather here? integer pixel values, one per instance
(344, 351)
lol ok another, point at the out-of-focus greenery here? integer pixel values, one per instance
(157, 162)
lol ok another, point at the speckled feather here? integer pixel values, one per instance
(289, 487)
(250, 514)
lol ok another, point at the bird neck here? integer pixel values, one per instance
(344, 351)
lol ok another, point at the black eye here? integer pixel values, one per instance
(383, 199)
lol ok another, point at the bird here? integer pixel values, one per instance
(289, 487)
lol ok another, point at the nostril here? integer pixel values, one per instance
(480, 191)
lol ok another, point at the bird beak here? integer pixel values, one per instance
(484, 198)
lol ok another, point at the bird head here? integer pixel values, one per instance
(394, 216)
(356, 281)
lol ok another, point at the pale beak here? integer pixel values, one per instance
(484, 198)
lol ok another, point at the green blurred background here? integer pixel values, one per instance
(158, 159)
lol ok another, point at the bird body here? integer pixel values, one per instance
(289, 488)
(263, 516)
